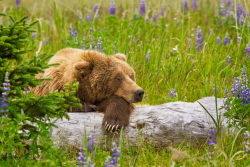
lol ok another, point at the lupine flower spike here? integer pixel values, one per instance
(148, 55)
(218, 40)
(112, 8)
(6, 88)
(194, 5)
(227, 39)
(246, 143)
(99, 45)
(228, 60)
(112, 161)
(155, 17)
(172, 93)
(184, 5)
(142, 7)
(199, 44)
(115, 48)
(211, 142)
(18, 4)
(89, 18)
(247, 51)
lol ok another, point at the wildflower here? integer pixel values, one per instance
(227, 39)
(213, 92)
(115, 48)
(113, 159)
(89, 18)
(112, 8)
(1, 21)
(239, 39)
(194, 5)
(228, 60)
(155, 17)
(18, 4)
(99, 45)
(211, 142)
(148, 55)
(34, 35)
(246, 143)
(6, 88)
(222, 10)
(96, 7)
(199, 44)
(247, 51)
(229, 3)
(147, 18)
(184, 5)
(142, 7)
(162, 11)
(218, 40)
(172, 93)
(175, 48)
(226, 93)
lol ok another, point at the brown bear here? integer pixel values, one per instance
(106, 84)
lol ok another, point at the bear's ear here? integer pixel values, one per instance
(120, 56)
(82, 68)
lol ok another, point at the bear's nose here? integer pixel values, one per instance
(139, 94)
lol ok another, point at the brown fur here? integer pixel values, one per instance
(105, 82)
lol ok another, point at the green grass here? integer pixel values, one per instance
(190, 72)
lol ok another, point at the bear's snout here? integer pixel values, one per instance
(139, 94)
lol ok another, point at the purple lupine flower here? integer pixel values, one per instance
(113, 159)
(239, 39)
(136, 15)
(6, 88)
(211, 141)
(96, 7)
(228, 60)
(218, 40)
(18, 4)
(226, 93)
(227, 39)
(148, 55)
(199, 44)
(184, 5)
(99, 45)
(246, 143)
(222, 8)
(155, 17)
(172, 93)
(34, 34)
(142, 7)
(194, 5)
(112, 8)
(89, 18)
(229, 3)
(247, 51)
(239, 9)
(162, 11)
(96, 10)
(115, 48)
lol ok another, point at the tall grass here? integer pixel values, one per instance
(189, 71)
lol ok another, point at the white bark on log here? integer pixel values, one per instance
(165, 124)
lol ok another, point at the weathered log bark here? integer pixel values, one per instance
(165, 124)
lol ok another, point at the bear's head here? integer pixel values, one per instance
(101, 77)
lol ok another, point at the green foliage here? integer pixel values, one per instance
(25, 130)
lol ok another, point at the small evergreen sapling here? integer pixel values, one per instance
(33, 124)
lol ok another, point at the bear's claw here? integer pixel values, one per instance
(111, 128)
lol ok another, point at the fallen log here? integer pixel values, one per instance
(166, 124)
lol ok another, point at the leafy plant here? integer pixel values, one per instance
(26, 119)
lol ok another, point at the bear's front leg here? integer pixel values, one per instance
(116, 111)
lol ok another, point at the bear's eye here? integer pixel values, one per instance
(119, 79)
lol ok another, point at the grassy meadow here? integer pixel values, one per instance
(174, 63)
